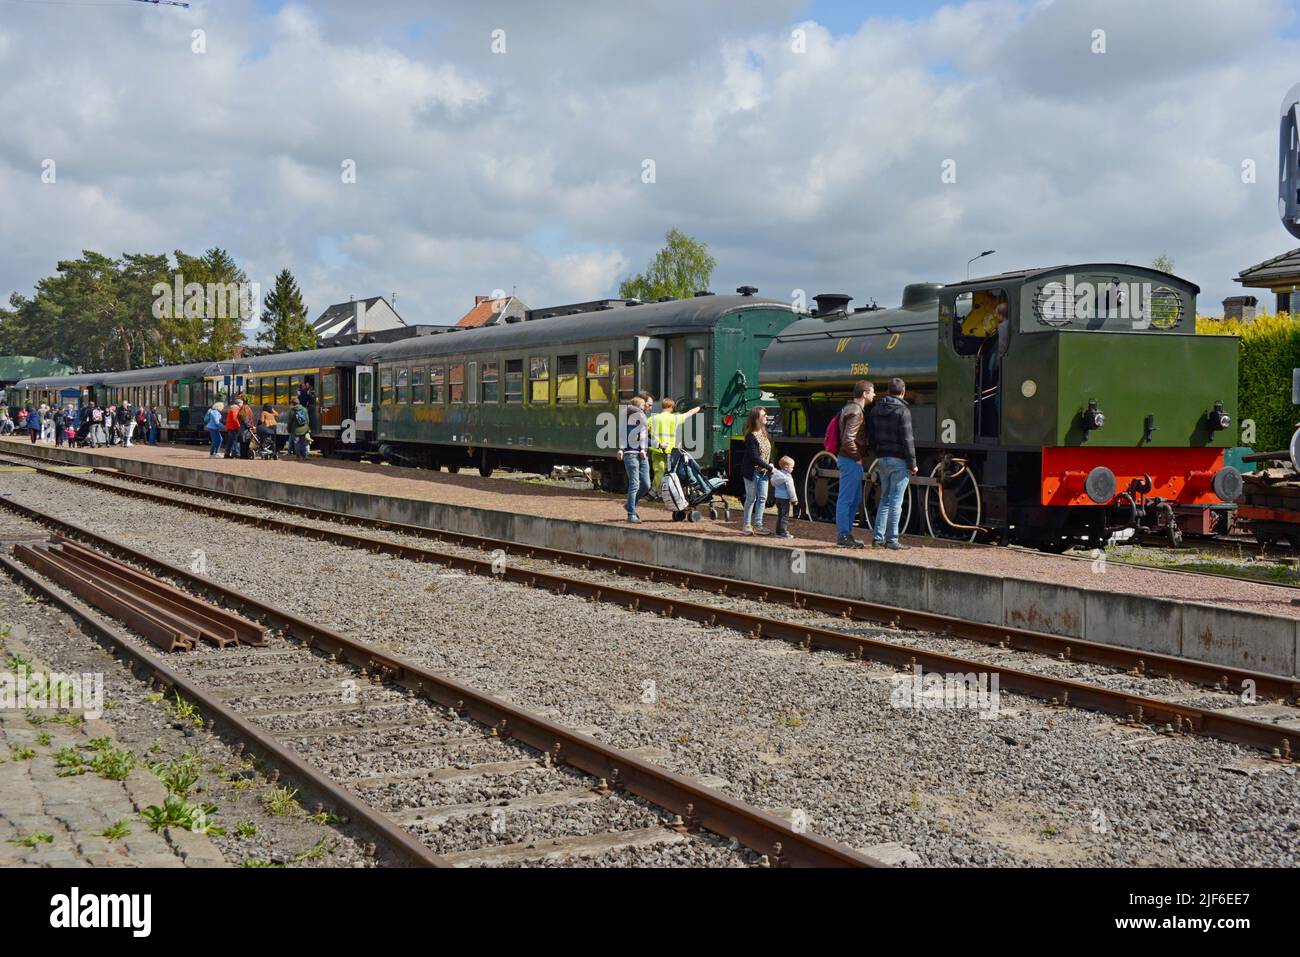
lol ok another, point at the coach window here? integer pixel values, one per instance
(365, 383)
(456, 384)
(514, 381)
(281, 391)
(697, 374)
(539, 380)
(598, 378)
(626, 375)
(329, 390)
(566, 380)
(471, 382)
(417, 385)
(437, 378)
(295, 383)
(385, 385)
(403, 386)
(489, 383)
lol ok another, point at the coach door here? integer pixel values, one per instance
(361, 398)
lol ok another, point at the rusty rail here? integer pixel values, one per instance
(1137, 709)
(1149, 663)
(309, 781)
(173, 620)
(697, 805)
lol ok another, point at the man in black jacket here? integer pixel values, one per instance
(889, 434)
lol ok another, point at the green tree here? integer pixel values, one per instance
(1163, 262)
(682, 268)
(284, 319)
(208, 324)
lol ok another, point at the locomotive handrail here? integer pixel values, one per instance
(856, 334)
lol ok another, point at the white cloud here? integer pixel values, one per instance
(584, 276)
(475, 171)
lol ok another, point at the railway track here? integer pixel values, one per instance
(306, 700)
(1272, 736)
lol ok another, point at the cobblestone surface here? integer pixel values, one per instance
(53, 820)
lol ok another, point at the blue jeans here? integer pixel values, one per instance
(893, 486)
(298, 446)
(216, 436)
(755, 499)
(153, 436)
(638, 479)
(849, 499)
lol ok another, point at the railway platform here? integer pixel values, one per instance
(1230, 622)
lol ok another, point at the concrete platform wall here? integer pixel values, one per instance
(1228, 636)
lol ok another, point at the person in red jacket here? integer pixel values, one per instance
(232, 430)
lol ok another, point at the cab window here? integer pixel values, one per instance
(975, 322)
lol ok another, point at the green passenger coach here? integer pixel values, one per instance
(552, 389)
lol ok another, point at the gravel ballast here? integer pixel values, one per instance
(811, 733)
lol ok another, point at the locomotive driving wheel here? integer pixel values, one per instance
(953, 508)
(821, 487)
(871, 501)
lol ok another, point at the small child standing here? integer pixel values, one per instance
(786, 496)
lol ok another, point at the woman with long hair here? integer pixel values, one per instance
(755, 468)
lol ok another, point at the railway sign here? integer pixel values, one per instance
(1288, 172)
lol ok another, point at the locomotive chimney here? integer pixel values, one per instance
(830, 303)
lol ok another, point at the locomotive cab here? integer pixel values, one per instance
(1099, 406)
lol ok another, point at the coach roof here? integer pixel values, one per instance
(646, 319)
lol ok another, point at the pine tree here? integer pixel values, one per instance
(284, 318)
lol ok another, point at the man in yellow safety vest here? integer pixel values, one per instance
(664, 427)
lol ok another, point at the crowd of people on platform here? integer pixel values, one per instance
(88, 425)
(235, 429)
(239, 430)
(865, 425)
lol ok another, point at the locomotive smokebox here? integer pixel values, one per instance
(831, 303)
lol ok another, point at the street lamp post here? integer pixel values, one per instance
(987, 252)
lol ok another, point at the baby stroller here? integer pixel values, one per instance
(260, 447)
(685, 487)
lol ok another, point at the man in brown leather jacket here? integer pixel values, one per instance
(852, 448)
